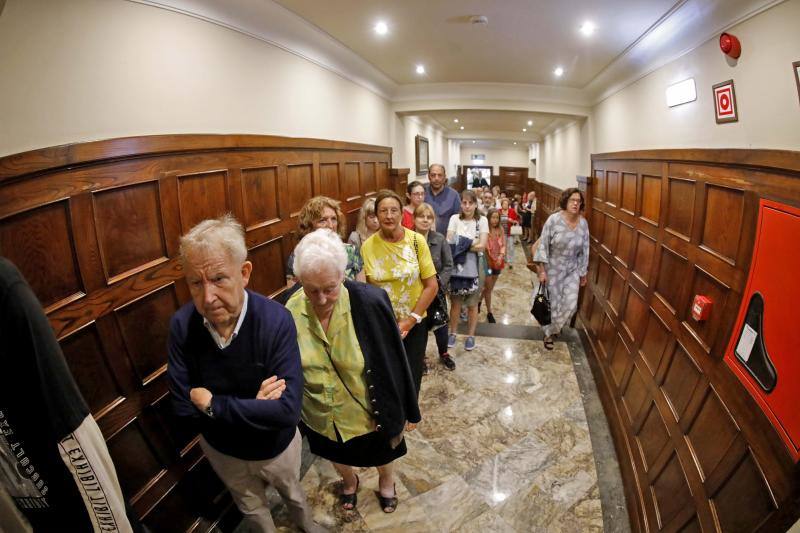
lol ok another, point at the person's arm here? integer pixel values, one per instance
(283, 356)
(427, 274)
(191, 419)
(541, 254)
(479, 244)
(447, 264)
(451, 228)
(583, 260)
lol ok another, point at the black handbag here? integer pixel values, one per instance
(437, 311)
(541, 306)
(437, 315)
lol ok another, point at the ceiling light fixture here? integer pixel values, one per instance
(587, 28)
(473, 142)
(558, 71)
(461, 128)
(455, 120)
(420, 69)
(515, 142)
(524, 130)
(381, 28)
(530, 123)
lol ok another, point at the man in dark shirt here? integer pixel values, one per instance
(235, 374)
(445, 201)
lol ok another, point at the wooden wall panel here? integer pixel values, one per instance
(94, 227)
(201, 196)
(260, 196)
(40, 242)
(129, 232)
(696, 452)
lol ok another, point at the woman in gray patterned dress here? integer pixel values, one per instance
(562, 260)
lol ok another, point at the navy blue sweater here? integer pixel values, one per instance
(265, 346)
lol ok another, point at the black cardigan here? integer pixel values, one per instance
(390, 387)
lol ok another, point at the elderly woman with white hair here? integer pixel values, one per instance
(359, 395)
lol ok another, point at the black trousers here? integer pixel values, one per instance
(415, 343)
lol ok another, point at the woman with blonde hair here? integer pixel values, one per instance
(323, 212)
(425, 224)
(366, 225)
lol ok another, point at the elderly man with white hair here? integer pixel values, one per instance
(235, 376)
(359, 394)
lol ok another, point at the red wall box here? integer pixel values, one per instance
(774, 275)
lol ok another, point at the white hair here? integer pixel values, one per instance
(319, 250)
(223, 233)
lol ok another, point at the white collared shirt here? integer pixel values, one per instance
(222, 343)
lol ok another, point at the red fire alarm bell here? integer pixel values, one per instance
(701, 307)
(730, 45)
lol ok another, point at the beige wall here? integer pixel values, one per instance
(403, 142)
(769, 113)
(96, 69)
(496, 157)
(565, 154)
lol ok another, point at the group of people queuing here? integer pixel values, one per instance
(341, 361)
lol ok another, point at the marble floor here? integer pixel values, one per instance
(504, 444)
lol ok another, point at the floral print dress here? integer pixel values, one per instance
(565, 253)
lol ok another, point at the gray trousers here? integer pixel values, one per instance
(247, 481)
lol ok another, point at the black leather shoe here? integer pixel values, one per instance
(447, 361)
(490, 318)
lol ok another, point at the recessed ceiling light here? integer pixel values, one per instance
(587, 28)
(455, 120)
(420, 69)
(515, 142)
(530, 123)
(558, 71)
(461, 128)
(381, 28)
(524, 130)
(473, 142)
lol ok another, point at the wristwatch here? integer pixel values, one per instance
(416, 317)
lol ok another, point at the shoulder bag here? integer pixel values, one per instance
(437, 310)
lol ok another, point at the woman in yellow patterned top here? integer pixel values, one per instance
(398, 260)
(358, 394)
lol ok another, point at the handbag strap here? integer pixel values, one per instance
(336, 369)
(543, 290)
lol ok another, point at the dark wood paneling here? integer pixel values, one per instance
(300, 186)
(129, 233)
(94, 227)
(696, 452)
(202, 195)
(260, 196)
(40, 243)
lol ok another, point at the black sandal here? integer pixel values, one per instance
(548, 344)
(350, 499)
(388, 505)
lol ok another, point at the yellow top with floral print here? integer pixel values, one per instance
(398, 268)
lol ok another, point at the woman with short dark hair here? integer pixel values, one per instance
(399, 261)
(562, 260)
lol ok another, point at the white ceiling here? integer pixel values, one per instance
(496, 76)
(522, 43)
(506, 125)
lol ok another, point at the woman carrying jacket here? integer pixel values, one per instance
(425, 222)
